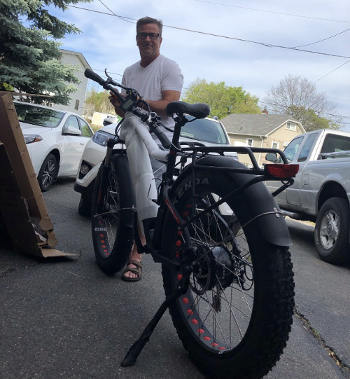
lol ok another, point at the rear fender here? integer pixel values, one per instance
(255, 206)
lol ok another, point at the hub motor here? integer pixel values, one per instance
(213, 267)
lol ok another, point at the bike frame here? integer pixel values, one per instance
(195, 153)
(263, 219)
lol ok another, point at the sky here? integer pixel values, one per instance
(109, 41)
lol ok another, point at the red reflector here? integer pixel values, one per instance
(282, 171)
(185, 300)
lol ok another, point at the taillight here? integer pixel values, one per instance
(281, 171)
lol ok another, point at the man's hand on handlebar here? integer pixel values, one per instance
(116, 103)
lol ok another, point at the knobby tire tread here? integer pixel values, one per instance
(120, 251)
(271, 319)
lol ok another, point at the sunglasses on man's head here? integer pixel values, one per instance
(144, 35)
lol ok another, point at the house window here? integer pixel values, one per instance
(250, 142)
(275, 145)
(76, 104)
(291, 126)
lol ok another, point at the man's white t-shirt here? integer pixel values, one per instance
(162, 74)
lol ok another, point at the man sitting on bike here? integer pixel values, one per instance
(159, 81)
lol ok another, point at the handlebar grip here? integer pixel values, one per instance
(93, 76)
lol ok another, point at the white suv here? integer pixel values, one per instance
(208, 131)
(55, 140)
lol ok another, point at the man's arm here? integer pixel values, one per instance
(159, 106)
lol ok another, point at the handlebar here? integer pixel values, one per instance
(130, 103)
(93, 76)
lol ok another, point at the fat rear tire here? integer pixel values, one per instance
(48, 172)
(331, 233)
(264, 310)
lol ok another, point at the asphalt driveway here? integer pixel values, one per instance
(65, 318)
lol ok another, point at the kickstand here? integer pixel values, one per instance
(136, 348)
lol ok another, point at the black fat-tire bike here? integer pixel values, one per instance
(222, 242)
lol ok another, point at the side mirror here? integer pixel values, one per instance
(70, 130)
(271, 157)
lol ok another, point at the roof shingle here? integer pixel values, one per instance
(253, 124)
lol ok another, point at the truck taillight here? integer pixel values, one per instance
(281, 171)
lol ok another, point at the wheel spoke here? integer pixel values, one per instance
(221, 291)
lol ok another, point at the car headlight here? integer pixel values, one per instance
(101, 137)
(30, 138)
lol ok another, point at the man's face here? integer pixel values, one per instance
(149, 44)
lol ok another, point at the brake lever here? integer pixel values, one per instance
(110, 79)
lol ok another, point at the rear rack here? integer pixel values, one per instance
(241, 150)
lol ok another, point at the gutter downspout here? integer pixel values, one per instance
(261, 145)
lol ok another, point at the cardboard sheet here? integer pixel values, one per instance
(22, 206)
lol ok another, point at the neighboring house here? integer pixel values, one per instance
(261, 130)
(77, 101)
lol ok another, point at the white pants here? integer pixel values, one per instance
(139, 147)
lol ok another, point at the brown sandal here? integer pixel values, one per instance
(135, 270)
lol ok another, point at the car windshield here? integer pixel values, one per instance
(39, 116)
(205, 130)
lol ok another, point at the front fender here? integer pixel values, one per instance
(255, 206)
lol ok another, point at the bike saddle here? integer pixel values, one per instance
(196, 110)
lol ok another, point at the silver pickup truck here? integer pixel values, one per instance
(321, 190)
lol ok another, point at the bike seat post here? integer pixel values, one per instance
(180, 121)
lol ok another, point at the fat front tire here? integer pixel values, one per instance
(84, 207)
(331, 233)
(113, 216)
(48, 172)
(236, 316)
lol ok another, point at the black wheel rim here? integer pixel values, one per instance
(107, 218)
(218, 305)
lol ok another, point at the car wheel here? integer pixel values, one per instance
(84, 207)
(332, 231)
(48, 172)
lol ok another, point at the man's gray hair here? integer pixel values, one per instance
(149, 20)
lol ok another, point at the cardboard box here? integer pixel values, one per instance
(22, 207)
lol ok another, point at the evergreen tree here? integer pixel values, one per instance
(29, 50)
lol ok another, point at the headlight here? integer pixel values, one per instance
(101, 137)
(30, 138)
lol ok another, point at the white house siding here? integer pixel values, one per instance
(77, 101)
